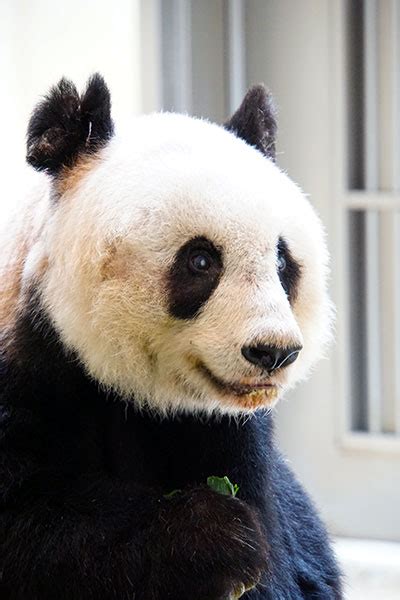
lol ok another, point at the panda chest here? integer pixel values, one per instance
(170, 454)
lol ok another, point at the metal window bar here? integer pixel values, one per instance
(371, 182)
(235, 53)
(395, 146)
(177, 55)
(388, 230)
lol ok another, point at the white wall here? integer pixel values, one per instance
(42, 40)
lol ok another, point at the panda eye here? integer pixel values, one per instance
(193, 277)
(200, 262)
(289, 270)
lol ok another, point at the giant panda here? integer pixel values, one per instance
(161, 288)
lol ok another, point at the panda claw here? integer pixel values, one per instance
(239, 590)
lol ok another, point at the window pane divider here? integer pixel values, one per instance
(372, 200)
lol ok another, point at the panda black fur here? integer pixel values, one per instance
(151, 293)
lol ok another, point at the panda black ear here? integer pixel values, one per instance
(255, 121)
(65, 124)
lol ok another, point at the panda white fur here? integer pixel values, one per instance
(161, 280)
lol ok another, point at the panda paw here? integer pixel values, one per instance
(205, 546)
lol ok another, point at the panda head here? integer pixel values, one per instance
(184, 269)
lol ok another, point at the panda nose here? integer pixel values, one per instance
(270, 358)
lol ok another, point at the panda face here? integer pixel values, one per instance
(185, 269)
(180, 265)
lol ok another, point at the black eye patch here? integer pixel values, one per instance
(289, 270)
(193, 277)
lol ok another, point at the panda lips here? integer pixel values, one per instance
(238, 389)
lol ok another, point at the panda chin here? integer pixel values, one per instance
(242, 395)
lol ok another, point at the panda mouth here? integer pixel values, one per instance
(240, 389)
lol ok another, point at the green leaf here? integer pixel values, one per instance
(222, 485)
